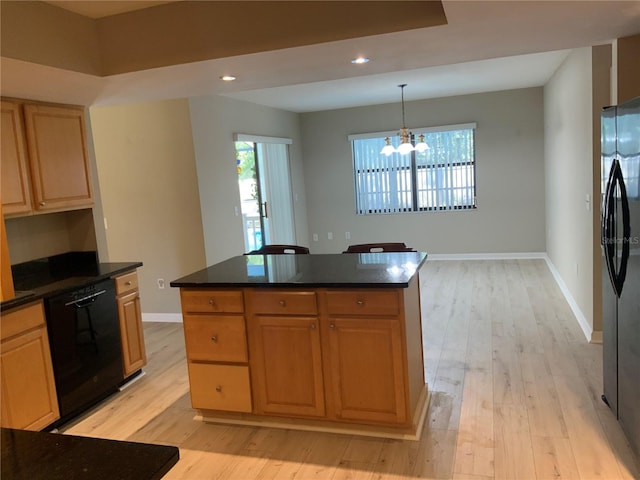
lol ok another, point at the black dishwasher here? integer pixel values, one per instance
(84, 336)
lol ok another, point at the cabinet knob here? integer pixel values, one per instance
(219, 388)
(312, 326)
(128, 284)
(360, 302)
(42, 204)
(332, 326)
(282, 303)
(214, 338)
(211, 302)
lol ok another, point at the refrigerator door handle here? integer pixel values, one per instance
(616, 275)
(626, 231)
(608, 226)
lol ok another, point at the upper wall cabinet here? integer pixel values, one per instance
(16, 197)
(56, 155)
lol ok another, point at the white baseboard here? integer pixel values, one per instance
(162, 317)
(486, 256)
(591, 336)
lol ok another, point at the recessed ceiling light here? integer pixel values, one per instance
(360, 60)
(227, 78)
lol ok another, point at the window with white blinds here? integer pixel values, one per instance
(440, 178)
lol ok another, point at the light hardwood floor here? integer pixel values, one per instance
(515, 394)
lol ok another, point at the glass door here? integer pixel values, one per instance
(265, 193)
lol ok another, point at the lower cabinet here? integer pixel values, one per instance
(216, 344)
(333, 354)
(134, 355)
(28, 391)
(286, 365)
(365, 359)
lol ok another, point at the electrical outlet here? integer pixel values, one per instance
(347, 235)
(330, 236)
(161, 283)
(315, 237)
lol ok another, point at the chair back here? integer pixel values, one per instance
(378, 247)
(277, 249)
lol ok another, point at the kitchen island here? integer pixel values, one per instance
(327, 342)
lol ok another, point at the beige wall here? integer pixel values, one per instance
(571, 160)
(510, 176)
(146, 171)
(215, 119)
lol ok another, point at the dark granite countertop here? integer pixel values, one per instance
(343, 270)
(50, 276)
(54, 456)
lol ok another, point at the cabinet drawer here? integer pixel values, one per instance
(126, 283)
(220, 387)
(363, 302)
(276, 302)
(21, 319)
(218, 338)
(212, 301)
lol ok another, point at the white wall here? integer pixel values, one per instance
(214, 120)
(147, 175)
(571, 158)
(509, 172)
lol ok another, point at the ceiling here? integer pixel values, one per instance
(485, 46)
(104, 8)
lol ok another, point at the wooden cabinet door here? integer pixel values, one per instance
(56, 142)
(28, 390)
(134, 355)
(286, 365)
(367, 376)
(16, 196)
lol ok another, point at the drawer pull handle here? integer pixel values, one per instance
(312, 326)
(332, 326)
(282, 303)
(219, 389)
(128, 283)
(42, 204)
(212, 303)
(360, 302)
(214, 338)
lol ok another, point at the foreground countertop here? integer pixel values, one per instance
(53, 456)
(343, 270)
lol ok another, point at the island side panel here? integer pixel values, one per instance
(413, 332)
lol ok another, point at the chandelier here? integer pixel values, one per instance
(406, 140)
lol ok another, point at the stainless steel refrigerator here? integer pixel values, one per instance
(620, 215)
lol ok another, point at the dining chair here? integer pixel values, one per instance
(378, 247)
(276, 249)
